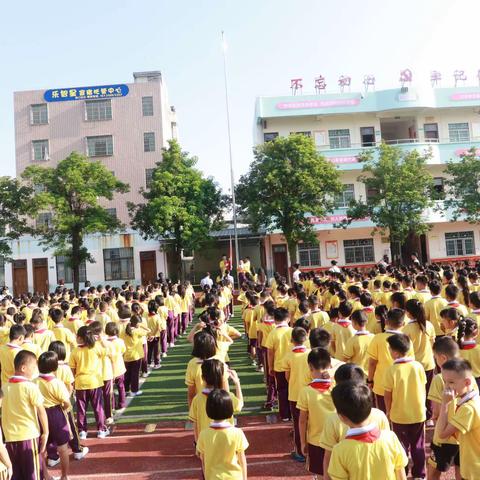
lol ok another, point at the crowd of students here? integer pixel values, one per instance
(61, 353)
(361, 364)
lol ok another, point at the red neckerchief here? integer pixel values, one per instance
(46, 377)
(72, 319)
(299, 349)
(468, 345)
(18, 379)
(344, 322)
(41, 330)
(268, 321)
(321, 384)
(367, 434)
(403, 360)
(453, 304)
(13, 346)
(368, 309)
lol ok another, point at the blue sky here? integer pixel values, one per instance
(52, 43)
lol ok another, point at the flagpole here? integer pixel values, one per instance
(232, 176)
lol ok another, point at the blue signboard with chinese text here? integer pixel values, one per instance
(85, 93)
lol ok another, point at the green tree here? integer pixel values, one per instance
(463, 187)
(400, 189)
(72, 191)
(15, 205)
(288, 182)
(181, 206)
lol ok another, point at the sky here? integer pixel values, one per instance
(53, 44)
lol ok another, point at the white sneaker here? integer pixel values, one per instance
(144, 375)
(119, 411)
(152, 365)
(430, 423)
(164, 354)
(137, 394)
(103, 433)
(82, 454)
(156, 367)
(109, 421)
(82, 435)
(171, 345)
(53, 463)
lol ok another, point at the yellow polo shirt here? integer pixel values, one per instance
(64, 373)
(319, 405)
(433, 307)
(155, 324)
(356, 460)
(53, 390)
(219, 449)
(73, 324)
(117, 351)
(467, 420)
(473, 356)
(407, 382)
(422, 343)
(335, 430)
(19, 410)
(67, 337)
(32, 347)
(279, 340)
(318, 319)
(193, 375)
(356, 349)
(340, 335)
(423, 296)
(43, 338)
(133, 344)
(87, 366)
(8, 353)
(296, 362)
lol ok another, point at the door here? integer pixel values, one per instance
(280, 259)
(367, 135)
(148, 266)
(20, 277)
(40, 275)
(431, 132)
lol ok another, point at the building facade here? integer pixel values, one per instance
(124, 126)
(443, 121)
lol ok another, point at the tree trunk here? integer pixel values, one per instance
(75, 259)
(292, 253)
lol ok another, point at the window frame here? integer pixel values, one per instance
(456, 239)
(68, 272)
(147, 142)
(359, 247)
(269, 136)
(344, 139)
(149, 178)
(459, 138)
(106, 149)
(32, 115)
(105, 101)
(117, 259)
(341, 202)
(47, 220)
(309, 248)
(46, 150)
(143, 107)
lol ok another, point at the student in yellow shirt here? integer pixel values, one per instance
(434, 306)
(43, 337)
(405, 400)
(74, 322)
(56, 402)
(22, 412)
(450, 318)
(366, 452)
(357, 346)
(117, 351)
(87, 367)
(28, 343)
(451, 294)
(222, 447)
(184, 307)
(156, 326)
(378, 326)
(297, 374)
(342, 330)
(9, 351)
(318, 318)
(315, 403)
(6, 469)
(465, 422)
(248, 317)
(444, 451)
(62, 333)
(469, 348)
(277, 345)
(213, 375)
(422, 293)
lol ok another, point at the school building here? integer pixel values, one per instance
(445, 121)
(125, 127)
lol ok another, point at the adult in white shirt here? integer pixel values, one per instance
(296, 273)
(206, 281)
(334, 268)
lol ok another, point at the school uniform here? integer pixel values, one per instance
(316, 399)
(133, 358)
(73, 324)
(21, 427)
(342, 331)
(67, 337)
(184, 306)
(470, 350)
(108, 378)
(356, 349)
(219, 444)
(31, 347)
(8, 353)
(367, 453)
(88, 369)
(318, 319)
(170, 304)
(155, 326)
(117, 351)
(406, 380)
(163, 313)
(193, 374)
(433, 307)
(266, 325)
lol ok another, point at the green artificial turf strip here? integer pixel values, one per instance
(165, 393)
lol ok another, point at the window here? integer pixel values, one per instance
(359, 251)
(368, 136)
(147, 106)
(459, 243)
(98, 110)
(100, 146)
(343, 199)
(118, 263)
(306, 134)
(40, 150)
(65, 272)
(309, 254)
(44, 220)
(149, 177)
(149, 142)
(372, 193)
(439, 185)
(39, 114)
(339, 138)
(112, 212)
(268, 137)
(430, 131)
(458, 132)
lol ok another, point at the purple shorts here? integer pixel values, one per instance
(315, 459)
(58, 427)
(253, 342)
(25, 459)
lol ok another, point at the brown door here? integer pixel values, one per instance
(40, 275)
(148, 266)
(280, 259)
(20, 277)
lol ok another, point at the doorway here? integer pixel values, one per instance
(20, 277)
(148, 267)
(40, 275)
(280, 259)
(367, 135)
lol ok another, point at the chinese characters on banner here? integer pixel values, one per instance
(85, 93)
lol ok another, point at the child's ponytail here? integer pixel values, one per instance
(462, 325)
(135, 320)
(417, 311)
(467, 328)
(87, 336)
(381, 312)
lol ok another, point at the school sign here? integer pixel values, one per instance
(85, 93)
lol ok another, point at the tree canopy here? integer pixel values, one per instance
(288, 182)
(72, 192)
(399, 190)
(181, 206)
